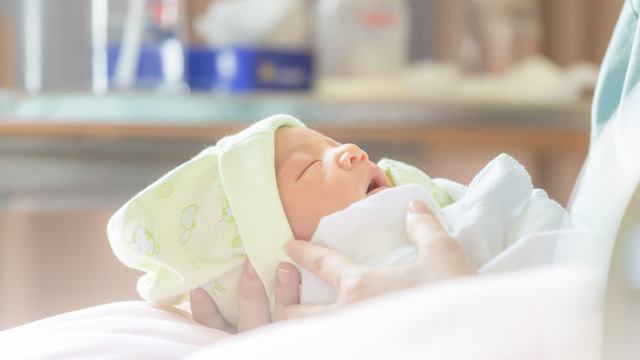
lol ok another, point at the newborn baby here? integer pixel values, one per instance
(277, 181)
(244, 197)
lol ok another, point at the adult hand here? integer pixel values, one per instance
(253, 304)
(439, 257)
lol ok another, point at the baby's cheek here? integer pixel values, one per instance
(303, 220)
(304, 229)
(305, 212)
(336, 202)
(306, 221)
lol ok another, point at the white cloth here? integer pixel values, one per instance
(499, 210)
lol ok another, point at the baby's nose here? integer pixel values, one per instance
(350, 154)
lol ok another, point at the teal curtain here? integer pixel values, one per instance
(620, 70)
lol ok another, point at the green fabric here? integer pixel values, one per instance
(620, 71)
(402, 174)
(182, 232)
(249, 177)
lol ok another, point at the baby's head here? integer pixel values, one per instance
(317, 176)
(233, 191)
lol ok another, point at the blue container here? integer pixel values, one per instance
(244, 69)
(149, 72)
(201, 67)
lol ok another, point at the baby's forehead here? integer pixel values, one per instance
(294, 138)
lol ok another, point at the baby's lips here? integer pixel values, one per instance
(376, 190)
(377, 181)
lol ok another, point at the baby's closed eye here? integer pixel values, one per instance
(309, 167)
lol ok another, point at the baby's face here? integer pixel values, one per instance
(318, 176)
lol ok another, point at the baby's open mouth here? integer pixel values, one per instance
(377, 182)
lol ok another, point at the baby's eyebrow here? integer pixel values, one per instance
(294, 160)
(299, 163)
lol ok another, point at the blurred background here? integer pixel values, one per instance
(98, 98)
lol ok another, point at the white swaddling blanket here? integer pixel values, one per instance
(500, 220)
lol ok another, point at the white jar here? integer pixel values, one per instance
(361, 37)
(499, 33)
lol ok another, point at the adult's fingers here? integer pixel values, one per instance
(253, 304)
(425, 231)
(439, 253)
(205, 311)
(287, 289)
(327, 264)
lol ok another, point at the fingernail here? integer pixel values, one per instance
(194, 295)
(284, 276)
(250, 269)
(418, 207)
(287, 249)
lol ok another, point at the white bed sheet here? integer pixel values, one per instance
(124, 330)
(551, 312)
(539, 313)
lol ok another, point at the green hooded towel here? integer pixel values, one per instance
(182, 232)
